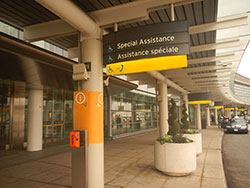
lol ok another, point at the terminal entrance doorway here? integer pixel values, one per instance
(57, 119)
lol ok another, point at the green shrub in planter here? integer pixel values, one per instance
(178, 138)
(188, 131)
(175, 155)
(174, 126)
(173, 135)
(184, 120)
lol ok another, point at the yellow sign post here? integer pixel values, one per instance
(88, 114)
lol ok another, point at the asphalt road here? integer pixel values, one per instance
(236, 159)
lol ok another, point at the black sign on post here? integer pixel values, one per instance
(88, 66)
(164, 39)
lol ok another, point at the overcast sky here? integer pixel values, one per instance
(230, 7)
(244, 67)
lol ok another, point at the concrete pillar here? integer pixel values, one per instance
(223, 111)
(208, 117)
(180, 110)
(216, 116)
(35, 120)
(228, 113)
(185, 98)
(133, 118)
(157, 110)
(16, 141)
(110, 133)
(198, 116)
(163, 103)
(91, 51)
(235, 111)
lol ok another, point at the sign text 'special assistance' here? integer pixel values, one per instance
(164, 39)
(146, 41)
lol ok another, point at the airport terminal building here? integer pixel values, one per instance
(111, 66)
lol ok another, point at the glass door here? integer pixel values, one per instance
(203, 116)
(53, 120)
(58, 120)
(47, 120)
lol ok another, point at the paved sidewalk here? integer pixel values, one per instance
(129, 163)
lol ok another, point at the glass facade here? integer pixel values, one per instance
(17, 33)
(203, 116)
(54, 123)
(132, 112)
(123, 113)
(191, 112)
(57, 119)
(68, 117)
(192, 115)
(6, 86)
(129, 112)
(4, 120)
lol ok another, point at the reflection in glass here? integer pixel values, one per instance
(191, 114)
(132, 112)
(68, 114)
(4, 120)
(57, 119)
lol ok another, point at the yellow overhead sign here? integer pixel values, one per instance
(218, 107)
(242, 109)
(145, 65)
(228, 108)
(200, 102)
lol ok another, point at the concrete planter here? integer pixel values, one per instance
(175, 159)
(197, 138)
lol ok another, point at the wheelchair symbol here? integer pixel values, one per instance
(110, 70)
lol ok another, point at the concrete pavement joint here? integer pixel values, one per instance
(38, 182)
(55, 164)
(212, 149)
(225, 181)
(110, 182)
(112, 186)
(203, 167)
(114, 166)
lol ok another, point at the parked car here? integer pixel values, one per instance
(237, 124)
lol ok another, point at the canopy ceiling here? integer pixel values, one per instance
(204, 72)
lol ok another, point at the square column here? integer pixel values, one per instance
(198, 116)
(185, 100)
(216, 116)
(18, 116)
(228, 113)
(35, 120)
(235, 111)
(208, 116)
